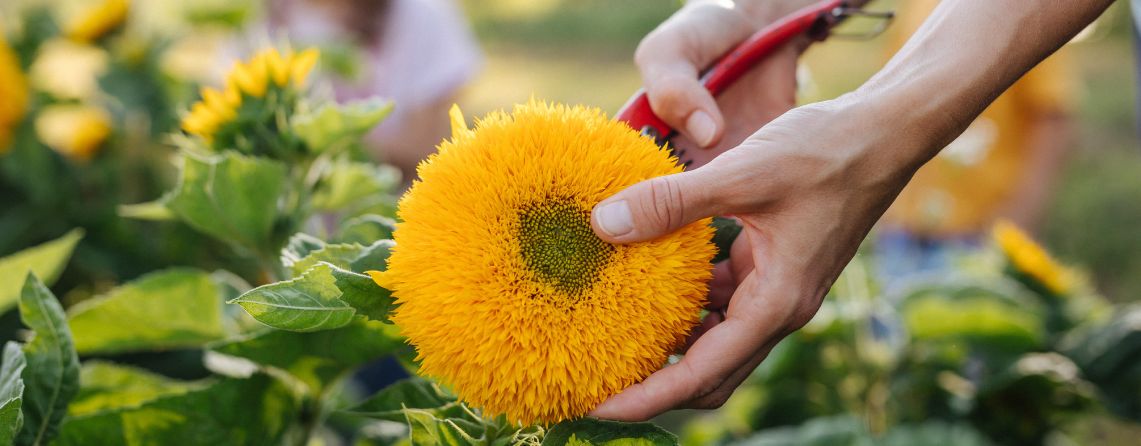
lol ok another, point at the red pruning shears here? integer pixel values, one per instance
(815, 21)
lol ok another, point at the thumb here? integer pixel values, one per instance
(655, 207)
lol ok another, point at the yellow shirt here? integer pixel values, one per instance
(961, 191)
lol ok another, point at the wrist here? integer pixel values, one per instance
(893, 133)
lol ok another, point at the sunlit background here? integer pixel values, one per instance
(574, 51)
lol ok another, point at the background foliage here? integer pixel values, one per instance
(214, 297)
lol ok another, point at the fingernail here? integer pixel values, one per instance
(701, 127)
(615, 218)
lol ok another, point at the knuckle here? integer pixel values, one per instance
(669, 91)
(697, 391)
(665, 208)
(645, 55)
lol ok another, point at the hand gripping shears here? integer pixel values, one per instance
(815, 21)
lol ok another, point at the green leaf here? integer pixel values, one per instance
(317, 358)
(374, 257)
(347, 182)
(299, 246)
(46, 260)
(11, 392)
(239, 412)
(848, 430)
(151, 210)
(1105, 351)
(1027, 399)
(365, 230)
(363, 294)
(725, 232)
(426, 429)
(178, 308)
(1107, 355)
(332, 126)
(341, 255)
(107, 386)
(51, 378)
(411, 393)
(992, 319)
(353, 257)
(346, 262)
(592, 431)
(230, 196)
(311, 302)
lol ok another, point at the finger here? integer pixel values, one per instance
(656, 207)
(721, 287)
(678, 97)
(711, 359)
(769, 307)
(672, 57)
(721, 394)
(710, 362)
(710, 320)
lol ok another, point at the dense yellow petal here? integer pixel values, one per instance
(278, 67)
(502, 288)
(1029, 258)
(250, 77)
(459, 124)
(13, 90)
(218, 104)
(200, 120)
(75, 131)
(380, 278)
(98, 21)
(302, 64)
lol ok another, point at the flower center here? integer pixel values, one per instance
(558, 245)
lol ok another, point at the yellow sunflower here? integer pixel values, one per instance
(504, 290)
(250, 79)
(1030, 259)
(98, 21)
(14, 91)
(75, 131)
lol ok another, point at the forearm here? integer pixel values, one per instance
(964, 55)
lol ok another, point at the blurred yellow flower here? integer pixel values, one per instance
(506, 293)
(247, 79)
(13, 94)
(1028, 258)
(98, 21)
(75, 131)
(68, 70)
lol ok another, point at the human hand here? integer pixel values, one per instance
(806, 188)
(672, 57)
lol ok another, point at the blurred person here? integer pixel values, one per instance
(1005, 165)
(808, 186)
(417, 53)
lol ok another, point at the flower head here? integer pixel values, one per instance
(14, 91)
(504, 290)
(250, 80)
(75, 131)
(1031, 260)
(98, 21)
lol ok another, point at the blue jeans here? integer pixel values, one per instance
(902, 255)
